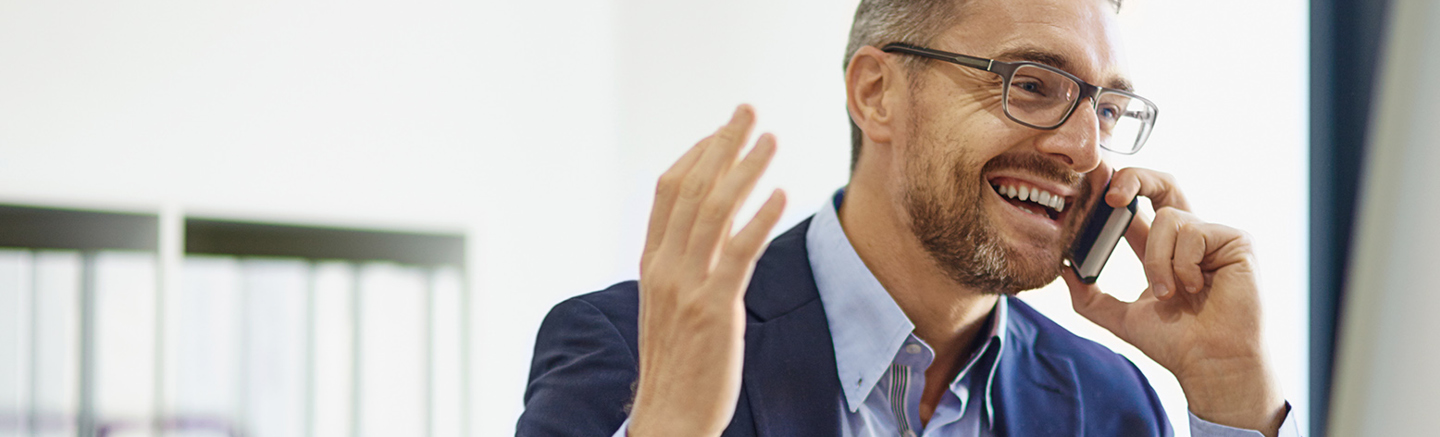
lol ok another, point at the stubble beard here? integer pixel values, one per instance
(954, 230)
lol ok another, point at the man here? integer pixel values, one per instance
(890, 312)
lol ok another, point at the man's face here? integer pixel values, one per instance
(961, 151)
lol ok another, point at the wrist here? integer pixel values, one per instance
(669, 419)
(642, 426)
(1239, 393)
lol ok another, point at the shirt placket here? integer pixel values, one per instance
(907, 385)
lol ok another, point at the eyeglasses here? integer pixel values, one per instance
(1044, 97)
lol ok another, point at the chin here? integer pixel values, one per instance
(1033, 268)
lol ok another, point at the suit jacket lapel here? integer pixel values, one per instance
(1040, 398)
(790, 377)
(792, 385)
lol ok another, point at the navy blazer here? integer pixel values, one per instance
(1049, 381)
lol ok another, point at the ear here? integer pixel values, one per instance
(872, 85)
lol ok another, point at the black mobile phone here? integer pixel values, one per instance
(1102, 232)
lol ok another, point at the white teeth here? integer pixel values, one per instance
(1035, 195)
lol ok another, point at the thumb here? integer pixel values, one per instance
(1097, 306)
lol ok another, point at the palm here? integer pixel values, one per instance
(1200, 318)
(1215, 321)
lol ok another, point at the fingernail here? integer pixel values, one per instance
(1190, 288)
(1160, 290)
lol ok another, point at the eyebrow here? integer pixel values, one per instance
(1057, 60)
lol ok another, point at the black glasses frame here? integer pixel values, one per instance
(1006, 71)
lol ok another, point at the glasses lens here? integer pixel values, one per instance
(1040, 96)
(1125, 122)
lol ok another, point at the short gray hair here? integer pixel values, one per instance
(879, 22)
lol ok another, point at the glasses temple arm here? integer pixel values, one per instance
(968, 61)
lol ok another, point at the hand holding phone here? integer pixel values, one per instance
(1199, 316)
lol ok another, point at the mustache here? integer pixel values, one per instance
(1038, 165)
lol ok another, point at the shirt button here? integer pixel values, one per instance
(912, 348)
(909, 433)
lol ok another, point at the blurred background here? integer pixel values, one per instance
(510, 149)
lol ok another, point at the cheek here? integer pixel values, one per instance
(982, 133)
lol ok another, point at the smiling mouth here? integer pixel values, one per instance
(1031, 199)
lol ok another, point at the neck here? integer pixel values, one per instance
(947, 315)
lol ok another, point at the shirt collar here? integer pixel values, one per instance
(867, 327)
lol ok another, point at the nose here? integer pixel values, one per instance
(1077, 142)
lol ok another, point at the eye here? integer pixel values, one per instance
(1029, 85)
(1108, 113)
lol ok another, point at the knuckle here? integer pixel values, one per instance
(704, 140)
(736, 252)
(667, 183)
(1181, 266)
(692, 188)
(1244, 238)
(1245, 244)
(714, 207)
(1191, 231)
(652, 265)
(1167, 178)
(1156, 265)
(753, 163)
(725, 136)
(1163, 216)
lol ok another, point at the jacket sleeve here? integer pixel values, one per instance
(581, 377)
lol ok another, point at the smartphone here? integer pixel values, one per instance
(1102, 232)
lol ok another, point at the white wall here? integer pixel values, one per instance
(538, 128)
(493, 118)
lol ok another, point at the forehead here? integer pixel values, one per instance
(1081, 32)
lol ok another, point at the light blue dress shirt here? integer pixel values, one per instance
(881, 363)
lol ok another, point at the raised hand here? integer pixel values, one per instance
(693, 275)
(1200, 318)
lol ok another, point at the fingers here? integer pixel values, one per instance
(719, 155)
(1159, 187)
(1155, 242)
(1160, 251)
(1176, 251)
(1097, 306)
(718, 209)
(1189, 253)
(738, 259)
(665, 192)
(1138, 234)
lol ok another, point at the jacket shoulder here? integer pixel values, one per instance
(620, 305)
(584, 366)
